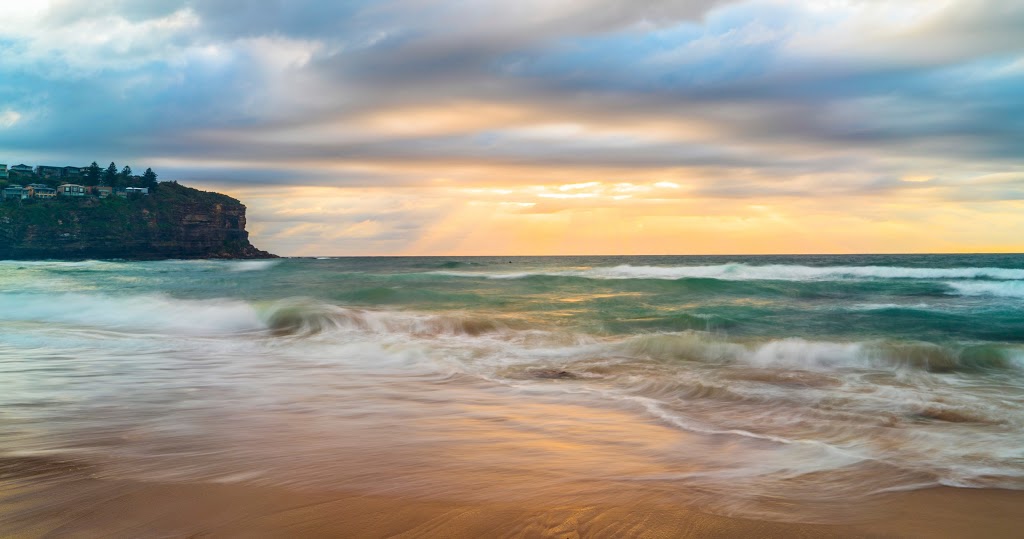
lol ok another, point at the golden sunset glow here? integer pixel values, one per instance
(623, 217)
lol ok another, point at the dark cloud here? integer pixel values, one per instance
(950, 91)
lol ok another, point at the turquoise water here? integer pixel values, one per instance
(756, 382)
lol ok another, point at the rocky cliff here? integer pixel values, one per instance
(173, 222)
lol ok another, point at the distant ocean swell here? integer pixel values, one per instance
(1013, 286)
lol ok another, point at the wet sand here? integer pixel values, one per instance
(40, 498)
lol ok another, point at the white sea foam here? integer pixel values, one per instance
(1005, 289)
(58, 264)
(772, 272)
(253, 265)
(799, 353)
(886, 306)
(810, 355)
(140, 313)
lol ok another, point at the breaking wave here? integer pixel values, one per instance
(298, 317)
(303, 317)
(801, 354)
(774, 272)
(1005, 289)
(157, 313)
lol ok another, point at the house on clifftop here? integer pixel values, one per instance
(49, 172)
(40, 190)
(15, 192)
(71, 190)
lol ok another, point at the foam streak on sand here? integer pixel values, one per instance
(354, 377)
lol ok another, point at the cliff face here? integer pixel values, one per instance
(173, 222)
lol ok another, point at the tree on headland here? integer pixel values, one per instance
(92, 174)
(149, 179)
(110, 175)
(124, 178)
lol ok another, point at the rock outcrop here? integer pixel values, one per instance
(173, 222)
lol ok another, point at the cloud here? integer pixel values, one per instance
(9, 118)
(734, 101)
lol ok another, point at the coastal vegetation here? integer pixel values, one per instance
(90, 176)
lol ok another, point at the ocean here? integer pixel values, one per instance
(785, 388)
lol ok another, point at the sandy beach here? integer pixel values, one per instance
(40, 498)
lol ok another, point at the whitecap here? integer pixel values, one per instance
(1011, 289)
(772, 272)
(254, 265)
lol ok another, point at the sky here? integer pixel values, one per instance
(471, 127)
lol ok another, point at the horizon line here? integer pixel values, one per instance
(654, 255)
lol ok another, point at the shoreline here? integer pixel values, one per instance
(367, 399)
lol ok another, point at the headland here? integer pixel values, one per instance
(121, 217)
